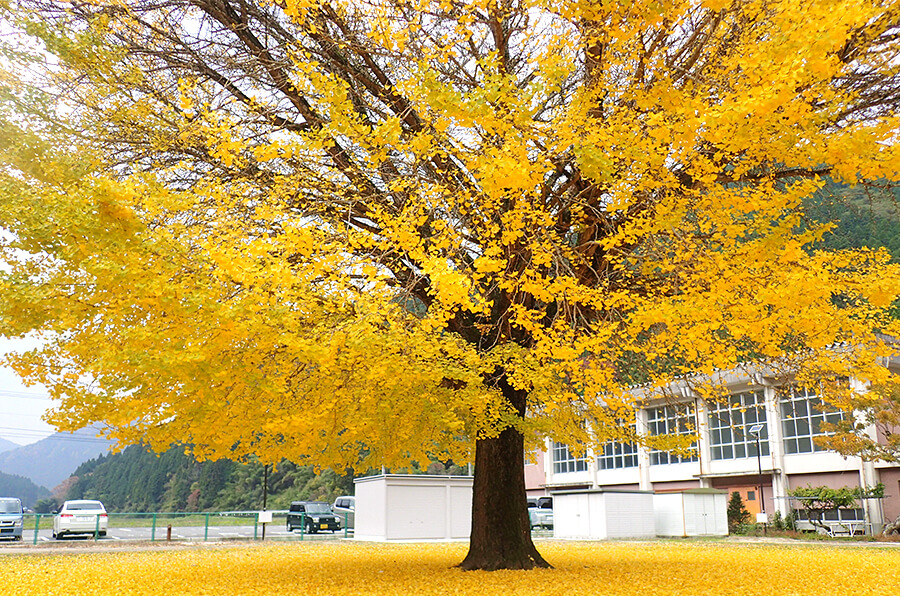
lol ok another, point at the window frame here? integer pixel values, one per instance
(802, 413)
(618, 455)
(677, 419)
(732, 418)
(564, 462)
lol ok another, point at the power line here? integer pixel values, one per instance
(25, 395)
(25, 433)
(56, 439)
(97, 442)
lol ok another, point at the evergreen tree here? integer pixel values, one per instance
(738, 516)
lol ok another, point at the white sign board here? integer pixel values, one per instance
(265, 517)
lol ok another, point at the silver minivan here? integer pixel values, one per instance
(345, 508)
(11, 518)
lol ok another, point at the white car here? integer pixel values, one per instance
(345, 508)
(80, 517)
(540, 512)
(540, 518)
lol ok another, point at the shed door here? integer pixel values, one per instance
(699, 515)
(572, 516)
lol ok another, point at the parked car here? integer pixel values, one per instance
(345, 508)
(541, 502)
(11, 518)
(80, 517)
(540, 512)
(312, 517)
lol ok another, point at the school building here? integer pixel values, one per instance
(782, 419)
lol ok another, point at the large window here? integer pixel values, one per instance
(671, 420)
(802, 415)
(564, 461)
(618, 454)
(730, 422)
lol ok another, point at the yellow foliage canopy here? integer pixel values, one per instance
(363, 233)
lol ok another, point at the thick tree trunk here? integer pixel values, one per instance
(501, 532)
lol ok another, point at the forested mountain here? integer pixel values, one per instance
(21, 487)
(53, 459)
(139, 480)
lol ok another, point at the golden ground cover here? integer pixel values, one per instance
(694, 568)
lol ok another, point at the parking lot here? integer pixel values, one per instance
(190, 533)
(160, 527)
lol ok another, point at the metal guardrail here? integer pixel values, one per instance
(166, 521)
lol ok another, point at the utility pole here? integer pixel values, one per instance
(265, 494)
(756, 430)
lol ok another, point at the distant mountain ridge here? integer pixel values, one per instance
(23, 488)
(53, 459)
(7, 445)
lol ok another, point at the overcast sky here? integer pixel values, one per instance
(21, 407)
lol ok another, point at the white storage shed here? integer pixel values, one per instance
(693, 512)
(413, 507)
(603, 513)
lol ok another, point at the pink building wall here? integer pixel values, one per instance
(890, 477)
(535, 476)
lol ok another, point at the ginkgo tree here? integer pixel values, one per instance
(368, 233)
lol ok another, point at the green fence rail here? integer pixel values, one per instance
(162, 525)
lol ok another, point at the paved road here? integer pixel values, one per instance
(193, 533)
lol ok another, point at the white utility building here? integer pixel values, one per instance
(694, 512)
(603, 513)
(413, 507)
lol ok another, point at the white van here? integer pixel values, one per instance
(345, 508)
